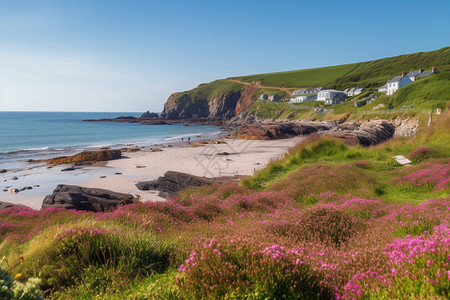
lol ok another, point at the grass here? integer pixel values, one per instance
(303, 78)
(363, 74)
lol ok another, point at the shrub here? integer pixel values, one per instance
(78, 249)
(421, 154)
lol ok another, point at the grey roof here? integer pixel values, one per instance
(425, 73)
(413, 73)
(395, 79)
(383, 86)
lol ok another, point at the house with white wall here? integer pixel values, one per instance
(397, 82)
(413, 75)
(331, 96)
(307, 91)
(302, 99)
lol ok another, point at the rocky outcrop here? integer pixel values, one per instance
(366, 133)
(272, 131)
(4, 205)
(184, 107)
(406, 127)
(88, 199)
(172, 182)
(85, 158)
(148, 115)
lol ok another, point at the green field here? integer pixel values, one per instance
(363, 74)
(303, 78)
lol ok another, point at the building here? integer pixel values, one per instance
(307, 91)
(354, 91)
(413, 75)
(397, 82)
(383, 88)
(331, 96)
(302, 99)
(273, 98)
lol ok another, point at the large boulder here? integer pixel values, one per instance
(86, 157)
(4, 205)
(148, 115)
(89, 199)
(173, 182)
(366, 133)
(273, 131)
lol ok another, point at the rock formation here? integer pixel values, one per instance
(365, 133)
(89, 199)
(273, 131)
(172, 182)
(184, 107)
(85, 158)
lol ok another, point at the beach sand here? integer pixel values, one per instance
(243, 158)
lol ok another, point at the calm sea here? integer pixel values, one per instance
(38, 135)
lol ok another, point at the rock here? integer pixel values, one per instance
(148, 115)
(86, 157)
(139, 166)
(89, 199)
(4, 205)
(102, 176)
(3, 171)
(14, 178)
(13, 191)
(156, 150)
(36, 185)
(117, 173)
(222, 153)
(273, 131)
(366, 134)
(68, 169)
(172, 182)
(27, 188)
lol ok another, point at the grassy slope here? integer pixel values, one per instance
(363, 74)
(429, 92)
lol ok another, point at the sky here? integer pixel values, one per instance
(129, 56)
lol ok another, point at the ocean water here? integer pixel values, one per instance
(41, 135)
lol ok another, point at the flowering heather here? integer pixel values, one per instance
(421, 154)
(432, 175)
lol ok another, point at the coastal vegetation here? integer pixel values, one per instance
(325, 221)
(426, 93)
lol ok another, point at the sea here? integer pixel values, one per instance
(42, 135)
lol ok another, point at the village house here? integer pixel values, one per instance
(307, 91)
(383, 88)
(354, 91)
(302, 99)
(331, 96)
(267, 97)
(413, 75)
(397, 82)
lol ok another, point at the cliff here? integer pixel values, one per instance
(217, 99)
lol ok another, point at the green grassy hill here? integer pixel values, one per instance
(425, 93)
(370, 73)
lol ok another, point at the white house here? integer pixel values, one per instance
(301, 99)
(397, 82)
(413, 75)
(331, 96)
(307, 91)
(354, 91)
(383, 88)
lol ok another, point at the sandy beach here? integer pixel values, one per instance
(239, 157)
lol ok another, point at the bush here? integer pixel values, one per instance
(77, 250)
(421, 154)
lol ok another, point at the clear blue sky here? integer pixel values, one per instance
(131, 55)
